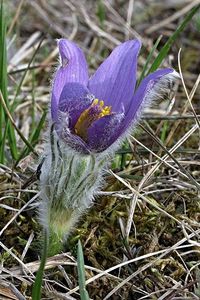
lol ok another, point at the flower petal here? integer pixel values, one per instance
(104, 132)
(150, 89)
(76, 143)
(74, 99)
(115, 79)
(72, 140)
(73, 68)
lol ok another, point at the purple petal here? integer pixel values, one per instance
(115, 79)
(104, 132)
(74, 99)
(73, 69)
(144, 95)
(72, 140)
(76, 143)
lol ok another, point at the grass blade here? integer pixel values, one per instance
(143, 74)
(27, 69)
(3, 78)
(101, 13)
(2, 101)
(8, 131)
(34, 138)
(81, 273)
(37, 287)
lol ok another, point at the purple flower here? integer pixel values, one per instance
(91, 114)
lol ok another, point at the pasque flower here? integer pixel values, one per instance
(91, 114)
(89, 117)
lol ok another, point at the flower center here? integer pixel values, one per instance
(96, 111)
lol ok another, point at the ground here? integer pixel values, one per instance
(141, 238)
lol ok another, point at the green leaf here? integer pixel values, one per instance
(37, 287)
(143, 74)
(81, 273)
(6, 129)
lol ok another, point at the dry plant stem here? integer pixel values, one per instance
(196, 184)
(159, 291)
(174, 17)
(135, 192)
(185, 89)
(145, 267)
(16, 295)
(45, 17)
(158, 157)
(15, 257)
(10, 274)
(96, 29)
(175, 287)
(133, 204)
(122, 21)
(191, 95)
(189, 272)
(30, 239)
(24, 52)
(55, 261)
(162, 252)
(129, 18)
(19, 212)
(151, 172)
(15, 17)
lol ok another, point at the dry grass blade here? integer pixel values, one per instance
(129, 17)
(185, 89)
(142, 257)
(174, 17)
(15, 17)
(96, 28)
(147, 266)
(150, 173)
(139, 195)
(18, 213)
(10, 291)
(16, 258)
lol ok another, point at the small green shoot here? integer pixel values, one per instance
(101, 13)
(37, 287)
(81, 273)
(164, 131)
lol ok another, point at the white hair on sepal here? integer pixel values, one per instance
(160, 88)
(43, 211)
(68, 181)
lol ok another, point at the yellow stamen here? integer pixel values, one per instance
(95, 102)
(88, 116)
(101, 103)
